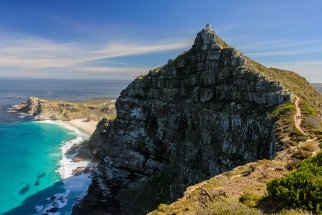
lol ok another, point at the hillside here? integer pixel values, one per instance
(206, 112)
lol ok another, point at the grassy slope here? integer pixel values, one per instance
(223, 194)
(310, 103)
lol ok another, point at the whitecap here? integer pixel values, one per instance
(56, 202)
(67, 165)
(76, 185)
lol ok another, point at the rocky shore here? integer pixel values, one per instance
(78, 161)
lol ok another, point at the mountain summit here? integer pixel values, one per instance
(208, 111)
(207, 39)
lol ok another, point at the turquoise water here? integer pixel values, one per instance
(29, 157)
(30, 151)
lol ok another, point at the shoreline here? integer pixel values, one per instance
(79, 126)
(68, 165)
(84, 125)
(74, 171)
(75, 174)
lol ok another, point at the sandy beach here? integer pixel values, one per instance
(87, 127)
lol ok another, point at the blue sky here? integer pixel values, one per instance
(101, 39)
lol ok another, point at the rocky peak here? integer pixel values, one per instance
(199, 115)
(207, 39)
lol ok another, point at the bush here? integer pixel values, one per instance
(282, 110)
(301, 155)
(162, 207)
(308, 109)
(231, 208)
(309, 146)
(302, 188)
(294, 212)
(250, 199)
(297, 135)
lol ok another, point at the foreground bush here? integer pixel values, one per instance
(302, 188)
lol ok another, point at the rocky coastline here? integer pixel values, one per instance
(81, 116)
(210, 116)
(78, 162)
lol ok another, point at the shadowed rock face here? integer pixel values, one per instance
(197, 116)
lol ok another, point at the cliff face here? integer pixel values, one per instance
(199, 115)
(44, 109)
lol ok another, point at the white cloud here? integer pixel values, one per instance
(123, 49)
(111, 69)
(40, 56)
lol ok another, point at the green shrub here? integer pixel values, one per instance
(250, 199)
(282, 110)
(231, 208)
(317, 132)
(297, 135)
(308, 109)
(309, 146)
(162, 207)
(302, 188)
(294, 212)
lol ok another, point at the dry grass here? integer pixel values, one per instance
(309, 146)
(235, 192)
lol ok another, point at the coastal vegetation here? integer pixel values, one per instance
(302, 188)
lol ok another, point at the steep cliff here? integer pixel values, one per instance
(205, 112)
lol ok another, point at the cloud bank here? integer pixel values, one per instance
(36, 57)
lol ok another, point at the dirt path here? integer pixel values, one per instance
(298, 116)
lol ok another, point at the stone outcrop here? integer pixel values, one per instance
(199, 115)
(43, 109)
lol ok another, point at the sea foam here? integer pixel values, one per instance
(76, 185)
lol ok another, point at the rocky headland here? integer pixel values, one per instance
(206, 112)
(43, 109)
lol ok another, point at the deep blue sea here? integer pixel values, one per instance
(31, 152)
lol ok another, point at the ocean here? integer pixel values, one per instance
(32, 174)
(317, 86)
